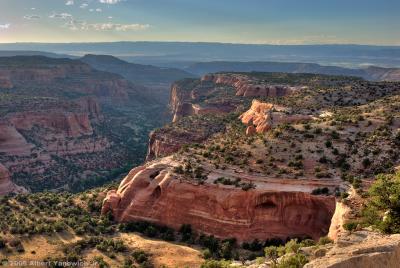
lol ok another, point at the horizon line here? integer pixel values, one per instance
(205, 42)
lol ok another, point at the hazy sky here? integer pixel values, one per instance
(237, 21)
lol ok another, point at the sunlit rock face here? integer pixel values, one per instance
(262, 116)
(153, 193)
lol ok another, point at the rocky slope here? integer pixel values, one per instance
(219, 94)
(214, 96)
(64, 124)
(359, 250)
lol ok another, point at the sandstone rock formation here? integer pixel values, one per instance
(6, 185)
(264, 116)
(153, 193)
(183, 101)
(163, 144)
(247, 87)
(361, 249)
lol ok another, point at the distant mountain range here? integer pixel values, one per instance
(167, 53)
(160, 78)
(369, 73)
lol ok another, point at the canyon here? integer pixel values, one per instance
(66, 125)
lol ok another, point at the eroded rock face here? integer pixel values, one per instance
(248, 87)
(6, 185)
(74, 75)
(153, 193)
(163, 144)
(263, 116)
(183, 101)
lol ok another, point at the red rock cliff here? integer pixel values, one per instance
(6, 185)
(153, 193)
(249, 87)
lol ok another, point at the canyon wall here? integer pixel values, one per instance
(163, 144)
(248, 87)
(153, 193)
(184, 102)
(6, 185)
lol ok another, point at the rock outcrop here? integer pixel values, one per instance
(186, 101)
(262, 116)
(163, 144)
(248, 87)
(153, 193)
(6, 185)
(361, 249)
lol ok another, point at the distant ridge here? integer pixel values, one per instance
(370, 73)
(163, 53)
(12, 53)
(137, 73)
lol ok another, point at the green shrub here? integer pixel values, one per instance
(215, 264)
(295, 261)
(350, 226)
(324, 240)
(382, 209)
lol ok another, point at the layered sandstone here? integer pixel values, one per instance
(162, 144)
(6, 185)
(78, 77)
(184, 101)
(249, 87)
(262, 116)
(154, 193)
(11, 141)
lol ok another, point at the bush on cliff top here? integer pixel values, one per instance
(383, 207)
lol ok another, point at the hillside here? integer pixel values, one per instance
(66, 125)
(48, 228)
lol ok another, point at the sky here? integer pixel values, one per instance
(374, 22)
